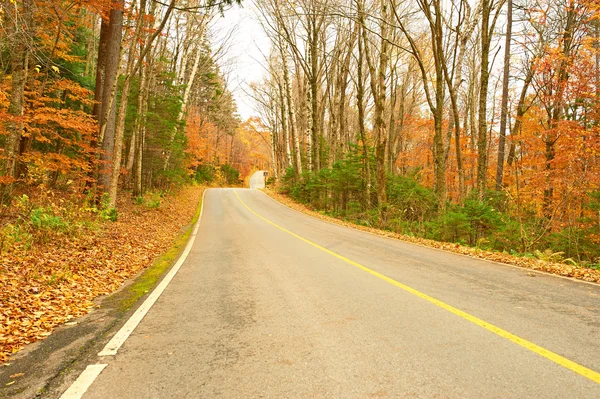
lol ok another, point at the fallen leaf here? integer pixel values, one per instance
(57, 279)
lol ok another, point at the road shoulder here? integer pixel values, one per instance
(46, 368)
(584, 275)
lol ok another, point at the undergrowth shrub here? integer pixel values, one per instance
(225, 175)
(46, 219)
(493, 223)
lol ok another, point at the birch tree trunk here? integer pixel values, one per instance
(289, 103)
(186, 95)
(285, 128)
(378, 88)
(435, 90)
(488, 21)
(360, 99)
(134, 63)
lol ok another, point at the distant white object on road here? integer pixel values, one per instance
(258, 179)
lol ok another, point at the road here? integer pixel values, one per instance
(323, 311)
(257, 180)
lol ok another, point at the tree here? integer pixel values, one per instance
(435, 98)
(504, 105)
(379, 92)
(19, 31)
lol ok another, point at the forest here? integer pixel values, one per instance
(102, 96)
(467, 121)
(469, 126)
(114, 115)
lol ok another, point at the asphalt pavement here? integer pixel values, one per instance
(257, 180)
(272, 303)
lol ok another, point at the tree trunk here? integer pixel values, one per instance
(109, 57)
(360, 95)
(314, 100)
(504, 101)
(120, 129)
(343, 86)
(284, 126)
(141, 136)
(482, 144)
(186, 97)
(290, 107)
(551, 136)
(391, 133)
(273, 160)
(378, 88)
(139, 119)
(20, 28)
(133, 64)
(309, 131)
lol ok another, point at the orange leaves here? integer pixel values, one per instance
(53, 122)
(6, 179)
(200, 137)
(55, 162)
(74, 91)
(245, 149)
(45, 284)
(57, 136)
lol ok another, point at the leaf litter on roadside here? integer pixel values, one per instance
(561, 269)
(56, 281)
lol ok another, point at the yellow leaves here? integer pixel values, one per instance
(53, 68)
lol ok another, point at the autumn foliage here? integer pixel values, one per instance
(105, 114)
(61, 260)
(245, 149)
(396, 121)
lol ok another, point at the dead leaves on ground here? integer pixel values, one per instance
(560, 269)
(57, 281)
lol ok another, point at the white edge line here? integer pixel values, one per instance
(83, 382)
(540, 272)
(119, 338)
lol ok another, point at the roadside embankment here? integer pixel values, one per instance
(48, 282)
(561, 269)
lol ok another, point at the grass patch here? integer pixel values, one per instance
(153, 273)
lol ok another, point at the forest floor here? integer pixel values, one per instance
(59, 259)
(561, 269)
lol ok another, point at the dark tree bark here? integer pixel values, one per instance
(109, 54)
(20, 32)
(484, 73)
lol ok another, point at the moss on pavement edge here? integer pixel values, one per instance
(152, 275)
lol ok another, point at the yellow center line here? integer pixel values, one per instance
(562, 361)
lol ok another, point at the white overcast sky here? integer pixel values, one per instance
(243, 62)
